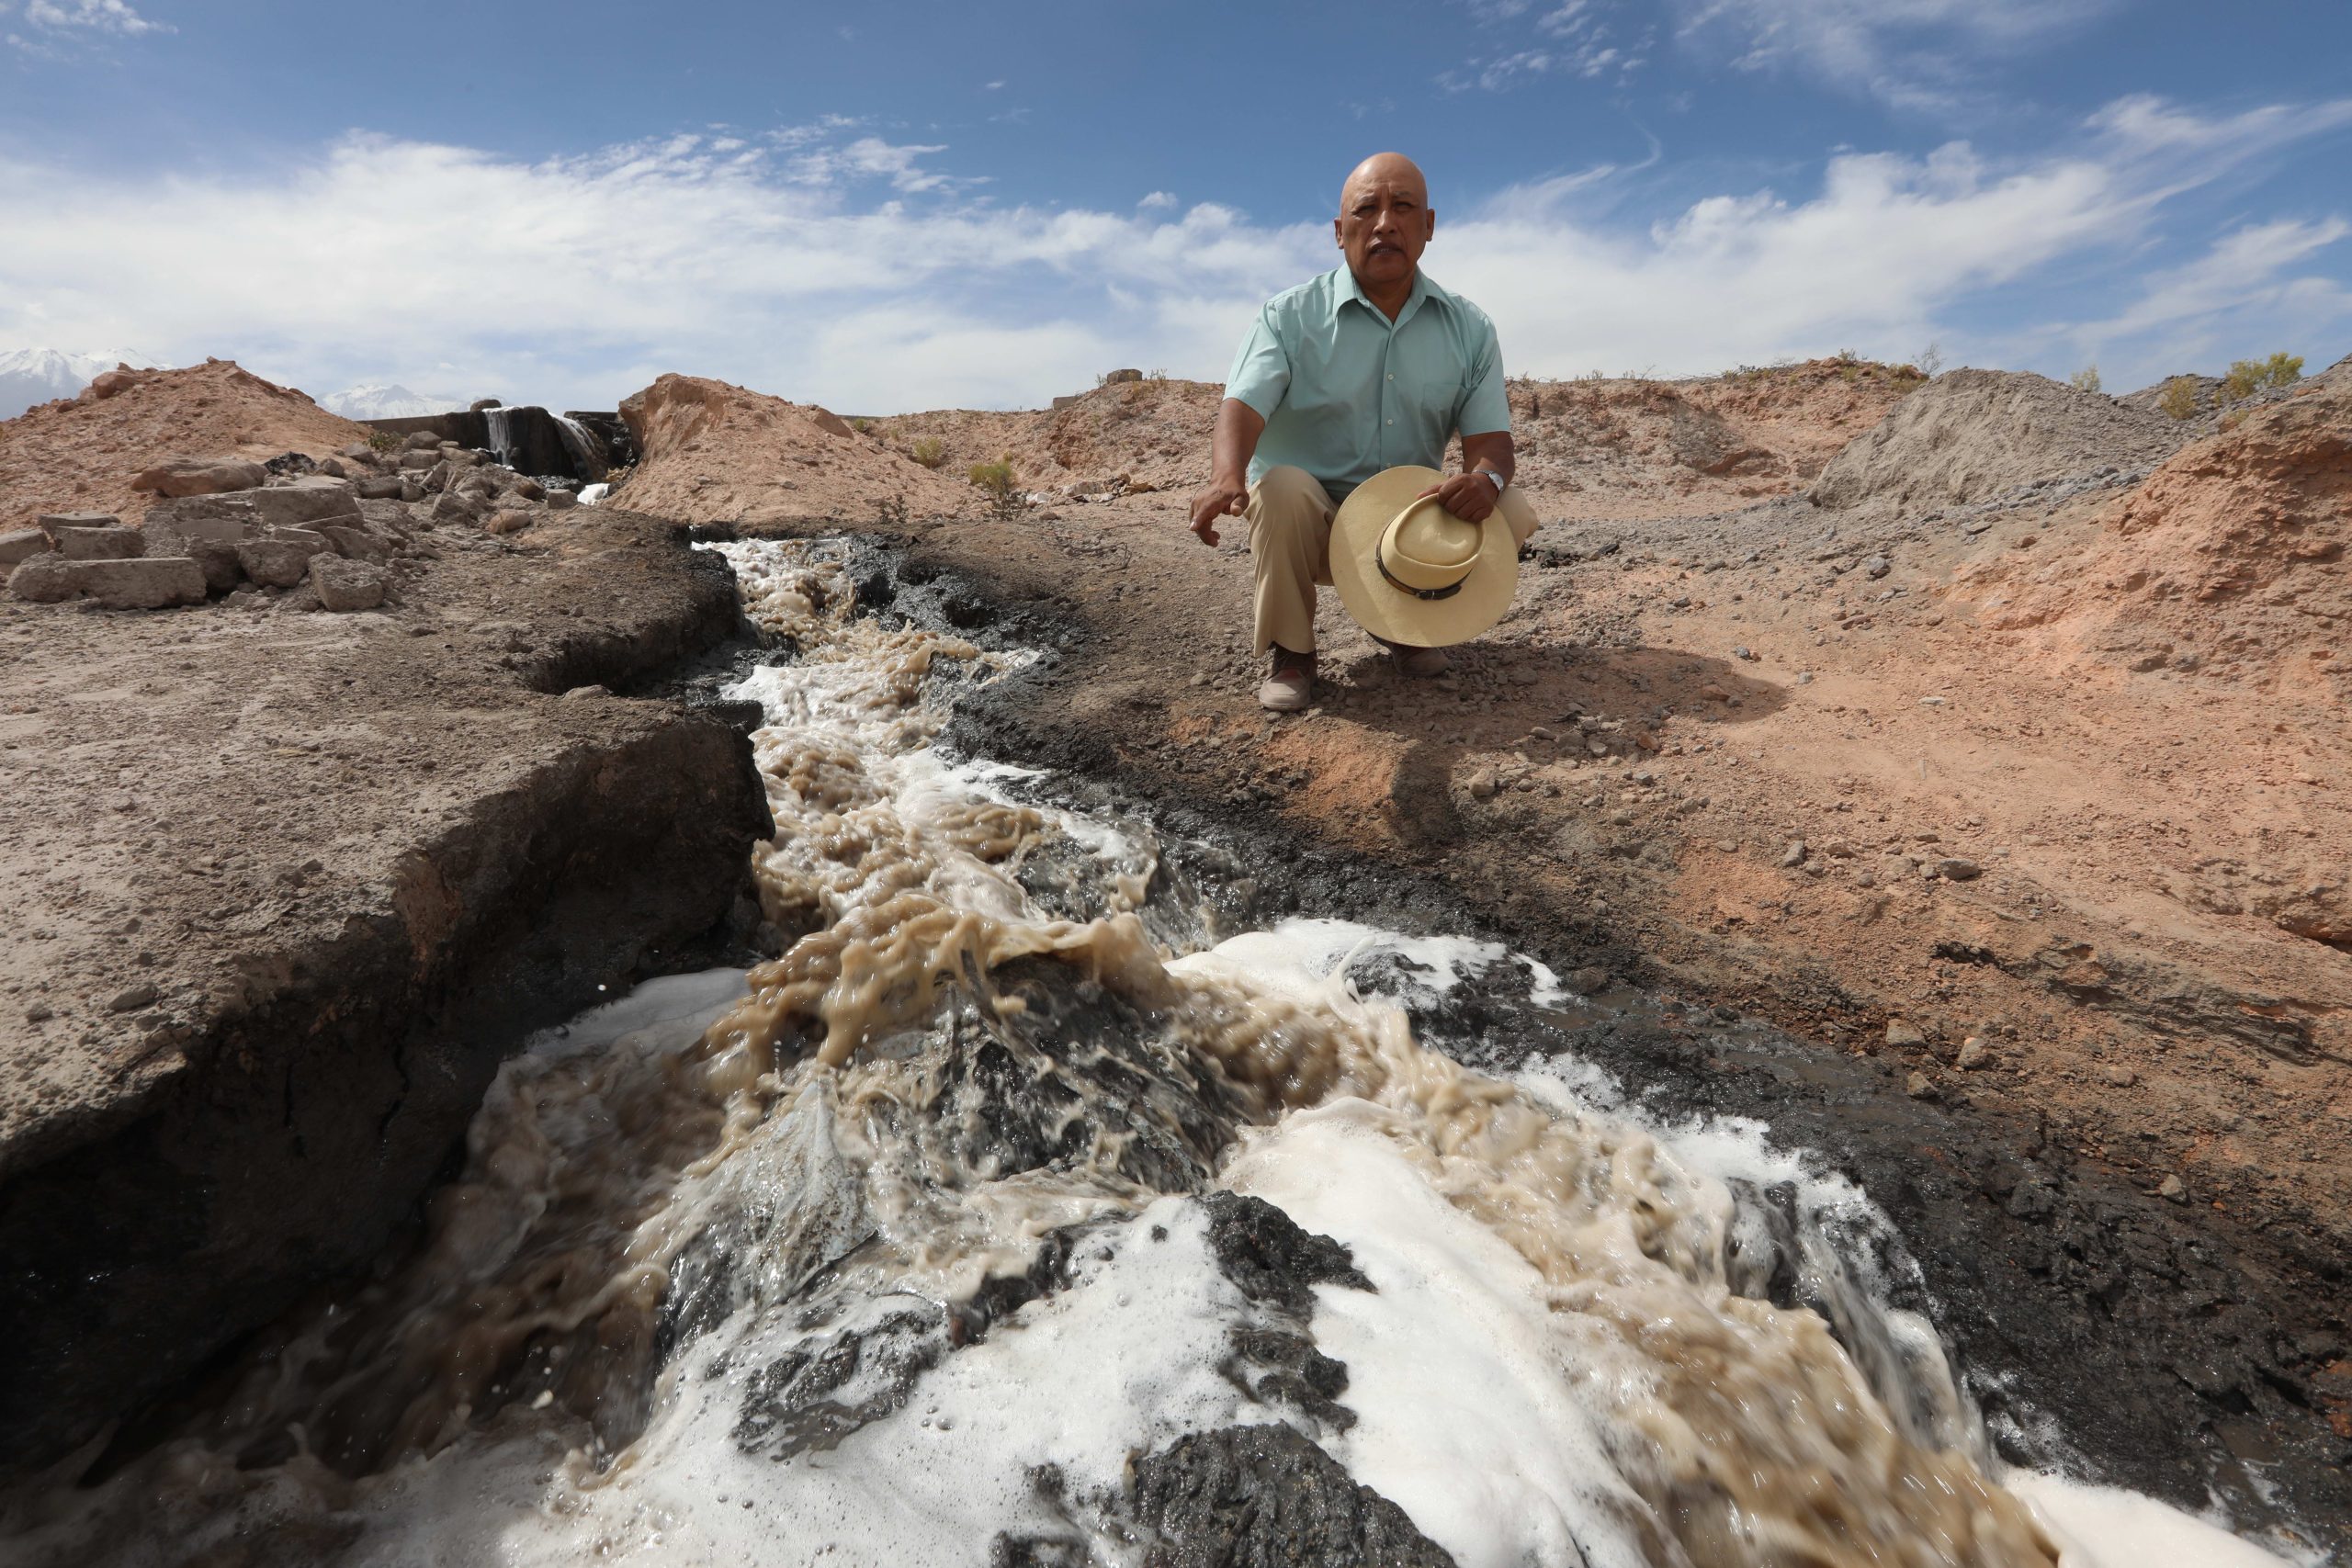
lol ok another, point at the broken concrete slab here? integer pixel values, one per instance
(21, 544)
(200, 476)
(342, 584)
(145, 582)
(111, 543)
(46, 579)
(279, 561)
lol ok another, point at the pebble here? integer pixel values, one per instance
(1931, 702)
(40, 1012)
(1919, 1087)
(1794, 856)
(2121, 1076)
(1742, 652)
(1955, 869)
(1804, 677)
(1729, 846)
(1904, 1035)
(138, 996)
(1972, 1053)
(1202, 678)
(2172, 1187)
(1483, 784)
(1877, 566)
(1585, 981)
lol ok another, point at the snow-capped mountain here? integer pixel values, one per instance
(30, 376)
(372, 399)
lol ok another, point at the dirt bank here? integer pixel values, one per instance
(285, 885)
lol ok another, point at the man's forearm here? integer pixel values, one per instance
(1238, 427)
(1492, 453)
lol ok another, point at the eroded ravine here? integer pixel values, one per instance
(1019, 1212)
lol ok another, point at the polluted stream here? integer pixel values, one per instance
(1024, 1211)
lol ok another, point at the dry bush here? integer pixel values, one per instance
(929, 450)
(2248, 377)
(2180, 399)
(2085, 380)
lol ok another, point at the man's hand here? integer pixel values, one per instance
(1469, 496)
(1224, 498)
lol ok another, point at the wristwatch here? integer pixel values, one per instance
(1491, 473)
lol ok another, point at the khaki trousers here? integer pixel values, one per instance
(1290, 517)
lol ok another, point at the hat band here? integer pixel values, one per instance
(1448, 592)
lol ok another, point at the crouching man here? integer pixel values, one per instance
(1368, 367)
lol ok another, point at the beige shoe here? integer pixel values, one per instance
(1418, 663)
(1291, 684)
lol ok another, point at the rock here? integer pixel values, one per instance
(357, 543)
(439, 476)
(1483, 784)
(22, 545)
(415, 460)
(1955, 869)
(1794, 856)
(2173, 1187)
(561, 500)
(1919, 1086)
(311, 498)
(1729, 846)
(1804, 677)
(1972, 1053)
(344, 584)
(46, 579)
(462, 458)
(145, 582)
(1257, 1496)
(527, 488)
(51, 521)
(278, 561)
(582, 692)
(450, 507)
(360, 452)
(1588, 980)
(332, 467)
(422, 441)
(2119, 1076)
(1743, 651)
(1714, 694)
(481, 403)
(107, 383)
(1877, 566)
(137, 996)
(411, 490)
(115, 543)
(199, 476)
(1904, 1036)
(383, 487)
(1114, 377)
(508, 523)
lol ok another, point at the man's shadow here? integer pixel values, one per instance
(1548, 704)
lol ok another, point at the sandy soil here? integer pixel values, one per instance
(77, 455)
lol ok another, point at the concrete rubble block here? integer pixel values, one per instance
(278, 560)
(147, 582)
(217, 559)
(22, 545)
(415, 460)
(451, 507)
(463, 457)
(357, 544)
(360, 452)
(439, 476)
(380, 487)
(412, 489)
(47, 579)
(422, 441)
(344, 584)
(200, 476)
(311, 499)
(117, 543)
(49, 520)
(508, 523)
(561, 500)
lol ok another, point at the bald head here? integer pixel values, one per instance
(1385, 169)
(1384, 221)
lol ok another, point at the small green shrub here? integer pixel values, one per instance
(861, 425)
(929, 451)
(892, 514)
(383, 440)
(2085, 380)
(2179, 396)
(994, 478)
(2248, 377)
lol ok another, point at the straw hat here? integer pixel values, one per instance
(1411, 572)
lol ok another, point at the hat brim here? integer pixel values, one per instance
(1388, 612)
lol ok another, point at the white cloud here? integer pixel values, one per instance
(1920, 54)
(1571, 40)
(886, 285)
(95, 16)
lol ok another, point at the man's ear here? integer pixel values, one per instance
(1428, 224)
(1335, 237)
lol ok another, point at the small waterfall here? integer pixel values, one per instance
(587, 452)
(501, 435)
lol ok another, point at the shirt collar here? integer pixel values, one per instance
(1423, 289)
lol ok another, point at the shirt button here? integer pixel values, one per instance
(1391, 375)
(1392, 421)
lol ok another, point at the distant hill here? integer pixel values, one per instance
(373, 399)
(31, 376)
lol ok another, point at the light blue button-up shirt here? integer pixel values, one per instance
(1345, 392)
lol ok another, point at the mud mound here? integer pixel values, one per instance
(717, 453)
(2228, 559)
(79, 454)
(1624, 447)
(1153, 434)
(1976, 434)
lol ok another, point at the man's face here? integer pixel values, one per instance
(1384, 223)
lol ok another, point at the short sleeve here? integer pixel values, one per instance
(1261, 372)
(1486, 408)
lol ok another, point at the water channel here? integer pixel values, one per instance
(1022, 1211)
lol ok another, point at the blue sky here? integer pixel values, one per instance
(900, 205)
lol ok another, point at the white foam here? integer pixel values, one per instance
(687, 1004)
(2105, 1527)
(1468, 1414)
